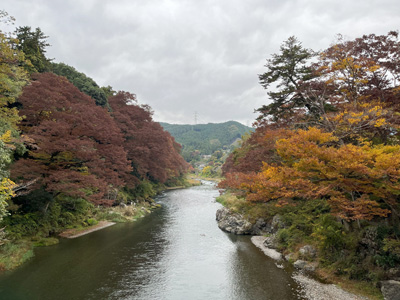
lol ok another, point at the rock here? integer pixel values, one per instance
(277, 223)
(290, 257)
(237, 224)
(259, 242)
(123, 205)
(270, 241)
(300, 264)
(311, 266)
(261, 227)
(304, 265)
(308, 251)
(390, 289)
(233, 222)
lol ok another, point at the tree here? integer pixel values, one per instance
(33, 44)
(257, 148)
(154, 153)
(77, 149)
(287, 71)
(12, 78)
(362, 69)
(360, 182)
(359, 78)
(83, 83)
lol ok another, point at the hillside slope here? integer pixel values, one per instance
(205, 139)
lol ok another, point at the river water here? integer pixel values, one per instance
(177, 252)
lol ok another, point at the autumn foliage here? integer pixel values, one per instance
(153, 152)
(360, 182)
(81, 150)
(332, 134)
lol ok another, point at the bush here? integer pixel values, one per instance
(13, 254)
(92, 222)
(62, 212)
(329, 234)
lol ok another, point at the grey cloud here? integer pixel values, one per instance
(182, 56)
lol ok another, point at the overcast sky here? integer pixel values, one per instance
(193, 56)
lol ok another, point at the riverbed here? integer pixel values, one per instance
(177, 252)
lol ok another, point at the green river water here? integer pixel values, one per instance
(177, 252)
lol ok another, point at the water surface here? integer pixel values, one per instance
(177, 252)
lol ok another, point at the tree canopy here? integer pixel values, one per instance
(205, 139)
(331, 130)
(33, 44)
(82, 82)
(77, 149)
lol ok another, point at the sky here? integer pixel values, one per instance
(193, 61)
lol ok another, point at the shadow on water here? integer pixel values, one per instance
(178, 252)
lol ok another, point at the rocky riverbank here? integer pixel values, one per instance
(305, 260)
(312, 289)
(237, 224)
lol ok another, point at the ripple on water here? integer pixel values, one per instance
(177, 252)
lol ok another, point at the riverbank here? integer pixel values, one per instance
(17, 251)
(20, 248)
(312, 289)
(74, 233)
(311, 239)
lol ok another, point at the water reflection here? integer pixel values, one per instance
(178, 252)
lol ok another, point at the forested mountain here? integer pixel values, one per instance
(205, 139)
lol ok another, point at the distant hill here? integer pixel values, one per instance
(205, 139)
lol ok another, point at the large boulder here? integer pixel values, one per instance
(237, 224)
(308, 252)
(261, 227)
(270, 241)
(390, 289)
(305, 265)
(233, 222)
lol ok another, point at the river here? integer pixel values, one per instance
(177, 252)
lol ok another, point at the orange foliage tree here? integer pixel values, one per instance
(360, 182)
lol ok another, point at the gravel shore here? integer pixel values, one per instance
(314, 290)
(311, 289)
(73, 233)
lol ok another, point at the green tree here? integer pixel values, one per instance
(109, 91)
(33, 44)
(286, 72)
(84, 83)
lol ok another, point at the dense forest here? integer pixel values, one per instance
(205, 139)
(325, 156)
(206, 146)
(68, 146)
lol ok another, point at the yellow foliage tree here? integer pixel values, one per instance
(12, 78)
(360, 182)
